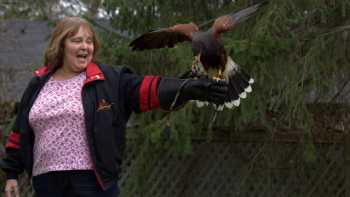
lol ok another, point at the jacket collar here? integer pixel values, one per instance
(93, 72)
(41, 71)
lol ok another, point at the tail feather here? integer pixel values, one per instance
(234, 84)
(246, 76)
(239, 86)
(248, 89)
(229, 105)
(233, 93)
(239, 83)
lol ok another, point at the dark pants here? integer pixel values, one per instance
(82, 183)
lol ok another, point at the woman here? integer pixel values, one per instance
(70, 129)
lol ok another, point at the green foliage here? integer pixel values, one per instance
(7, 119)
(30, 9)
(290, 48)
(293, 48)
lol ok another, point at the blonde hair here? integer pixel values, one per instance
(66, 28)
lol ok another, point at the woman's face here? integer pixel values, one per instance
(78, 50)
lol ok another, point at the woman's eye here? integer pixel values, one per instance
(76, 40)
(89, 41)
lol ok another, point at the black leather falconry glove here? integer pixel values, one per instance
(203, 89)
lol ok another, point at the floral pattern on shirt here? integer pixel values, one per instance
(57, 119)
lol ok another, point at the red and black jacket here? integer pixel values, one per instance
(109, 96)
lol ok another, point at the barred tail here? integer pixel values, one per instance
(239, 84)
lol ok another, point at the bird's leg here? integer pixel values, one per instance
(218, 76)
(195, 64)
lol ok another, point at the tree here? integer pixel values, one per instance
(296, 50)
(48, 9)
(293, 48)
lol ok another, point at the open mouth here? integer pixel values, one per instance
(82, 56)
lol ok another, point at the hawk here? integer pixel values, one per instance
(208, 49)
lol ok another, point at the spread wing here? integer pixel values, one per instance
(165, 37)
(229, 21)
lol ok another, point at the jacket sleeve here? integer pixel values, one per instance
(11, 163)
(144, 93)
(140, 91)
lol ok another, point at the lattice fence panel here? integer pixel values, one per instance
(255, 165)
(242, 169)
(235, 169)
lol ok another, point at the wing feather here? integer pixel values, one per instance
(229, 21)
(165, 37)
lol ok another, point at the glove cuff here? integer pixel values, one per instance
(169, 93)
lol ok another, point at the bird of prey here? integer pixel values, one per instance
(208, 49)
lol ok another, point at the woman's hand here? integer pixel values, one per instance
(11, 188)
(202, 89)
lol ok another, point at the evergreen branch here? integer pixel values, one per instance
(346, 93)
(108, 28)
(336, 30)
(327, 32)
(340, 91)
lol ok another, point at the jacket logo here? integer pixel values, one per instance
(103, 105)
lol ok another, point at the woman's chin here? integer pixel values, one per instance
(80, 66)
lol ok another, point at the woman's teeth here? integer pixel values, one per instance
(82, 56)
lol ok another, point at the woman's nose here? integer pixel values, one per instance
(83, 45)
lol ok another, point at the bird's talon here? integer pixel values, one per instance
(216, 79)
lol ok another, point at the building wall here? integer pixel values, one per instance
(22, 48)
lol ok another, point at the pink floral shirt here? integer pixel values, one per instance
(57, 119)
